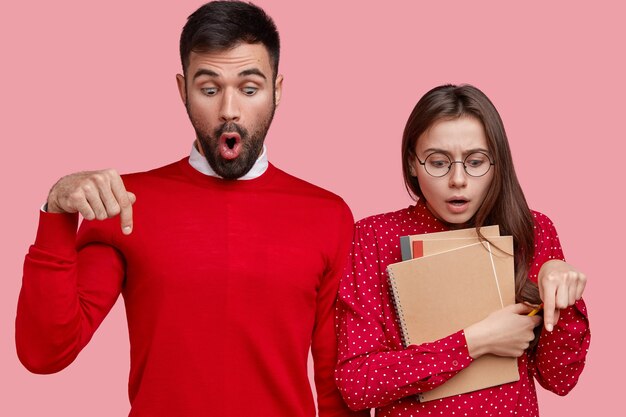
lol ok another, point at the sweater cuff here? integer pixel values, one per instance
(57, 232)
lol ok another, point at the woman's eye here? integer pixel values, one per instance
(438, 160)
(439, 163)
(475, 162)
(476, 159)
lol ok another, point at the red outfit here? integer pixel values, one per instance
(226, 286)
(375, 371)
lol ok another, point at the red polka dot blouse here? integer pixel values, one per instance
(376, 371)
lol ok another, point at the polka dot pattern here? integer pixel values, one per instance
(376, 371)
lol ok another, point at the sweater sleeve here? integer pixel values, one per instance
(373, 370)
(67, 290)
(560, 355)
(324, 341)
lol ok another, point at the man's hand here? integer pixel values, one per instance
(95, 195)
(560, 285)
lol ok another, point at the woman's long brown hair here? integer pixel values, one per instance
(504, 204)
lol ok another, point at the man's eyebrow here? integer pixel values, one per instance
(244, 73)
(204, 71)
(252, 71)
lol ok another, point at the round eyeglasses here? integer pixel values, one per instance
(438, 164)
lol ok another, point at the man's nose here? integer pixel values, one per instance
(229, 106)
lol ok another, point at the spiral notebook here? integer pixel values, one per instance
(455, 283)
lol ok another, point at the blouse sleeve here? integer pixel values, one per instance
(560, 355)
(373, 369)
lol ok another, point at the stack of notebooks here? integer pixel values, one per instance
(448, 281)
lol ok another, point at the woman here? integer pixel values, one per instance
(457, 162)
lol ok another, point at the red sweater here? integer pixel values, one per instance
(227, 284)
(376, 371)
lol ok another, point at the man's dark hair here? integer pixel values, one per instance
(221, 25)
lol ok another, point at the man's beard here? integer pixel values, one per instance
(251, 146)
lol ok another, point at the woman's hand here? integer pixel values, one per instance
(506, 332)
(560, 285)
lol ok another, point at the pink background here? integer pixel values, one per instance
(89, 85)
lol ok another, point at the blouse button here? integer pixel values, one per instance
(455, 363)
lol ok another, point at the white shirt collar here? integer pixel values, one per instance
(200, 164)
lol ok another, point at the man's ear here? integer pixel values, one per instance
(182, 89)
(278, 89)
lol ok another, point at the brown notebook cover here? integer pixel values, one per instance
(437, 295)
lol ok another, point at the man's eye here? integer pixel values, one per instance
(209, 91)
(249, 91)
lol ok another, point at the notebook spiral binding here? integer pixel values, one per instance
(398, 307)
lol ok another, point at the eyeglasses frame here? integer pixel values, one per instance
(491, 163)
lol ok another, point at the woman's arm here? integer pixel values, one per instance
(559, 357)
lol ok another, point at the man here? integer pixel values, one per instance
(228, 266)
